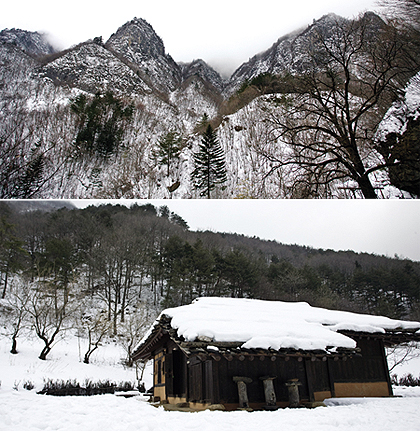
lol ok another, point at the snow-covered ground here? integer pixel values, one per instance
(65, 362)
(21, 409)
(26, 411)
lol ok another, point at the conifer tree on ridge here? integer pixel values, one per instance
(209, 162)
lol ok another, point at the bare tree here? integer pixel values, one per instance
(16, 315)
(133, 329)
(119, 258)
(96, 326)
(11, 250)
(401, 354)
(22, 170)
(34, 149)
(49, 314)
(325, 131)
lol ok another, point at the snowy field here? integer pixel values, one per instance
(26, 411)
(23, 410)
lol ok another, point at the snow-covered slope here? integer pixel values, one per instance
(167, 97)
(396, 119)
(15, 68)
(91, 67)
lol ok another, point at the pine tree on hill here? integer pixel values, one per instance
(101, 122)
(209, 162)
(168, 149)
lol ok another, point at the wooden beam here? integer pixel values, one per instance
(331, 377)
(385, 364)
(309, 379)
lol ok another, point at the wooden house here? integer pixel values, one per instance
(240, 353)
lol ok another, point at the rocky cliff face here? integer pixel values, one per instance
(91, 67)
(137, 42)
(293, 53)
(32, 43)
(290, 53)
(200, 69)
(16, 68)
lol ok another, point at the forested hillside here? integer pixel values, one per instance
(112, 269)
(329, 111)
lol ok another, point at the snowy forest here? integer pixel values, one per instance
(329, 111)
(110, 270)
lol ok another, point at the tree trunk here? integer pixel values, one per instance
(44, 352)
(367, 188)
(5, 285)
(14, 346)
(86, 358)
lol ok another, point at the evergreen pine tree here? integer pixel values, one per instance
(168, 149)
(102, 123)
(209, 161)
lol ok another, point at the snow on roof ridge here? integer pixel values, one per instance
(273, 324)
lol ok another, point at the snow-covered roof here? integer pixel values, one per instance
(258, 324)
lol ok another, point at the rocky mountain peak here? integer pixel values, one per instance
(33, 43)
(199, 68)
(138, 39)
(138, 43)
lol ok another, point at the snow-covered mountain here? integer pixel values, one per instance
(147, 66)
(290, 53)
(166, 96)
(137, 43)
(293, 53)
(91, 67)
(32, 43)
(199, 68)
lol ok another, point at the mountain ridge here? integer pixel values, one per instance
(137, 45)
(32, 42)
(137, 42)
(36, 94)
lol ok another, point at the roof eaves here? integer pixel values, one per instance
(234, 349)
(389, 337)
(144, 351)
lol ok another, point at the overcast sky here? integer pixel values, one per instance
(225, 33)
(385, 227)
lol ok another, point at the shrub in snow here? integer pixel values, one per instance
(72, 387)
(405, 380)
(28, 385)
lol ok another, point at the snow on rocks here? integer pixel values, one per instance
(395, 120)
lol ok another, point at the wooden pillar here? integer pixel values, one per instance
(309, 379)
(386, 369)
(293, 387)
(243, 394)
(269, 393)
